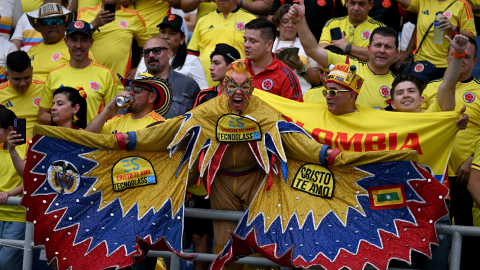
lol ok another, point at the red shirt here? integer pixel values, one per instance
(277, 79)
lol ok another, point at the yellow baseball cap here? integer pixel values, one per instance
(346, 76)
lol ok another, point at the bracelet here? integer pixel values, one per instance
(459, 56)
(15, 155)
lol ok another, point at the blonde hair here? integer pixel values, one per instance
(238, 66)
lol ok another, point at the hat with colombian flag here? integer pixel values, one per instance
(346, 76)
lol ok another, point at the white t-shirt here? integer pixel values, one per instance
(192, 68)
(303, 56)
(10, 10)
(6, 47)
(25, 32)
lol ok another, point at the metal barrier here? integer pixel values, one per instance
(28, 246)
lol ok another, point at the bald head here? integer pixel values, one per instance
(157, 53)
(156, 40)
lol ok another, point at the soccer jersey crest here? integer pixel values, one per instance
(469, 97)
(36, 101)
(419, 67)
(447, 14)
(56, 56)
(123, 24)
(94, 86)
(267, 84)
(240, 26)
(385, 91)
(79, 24)
(366, 34)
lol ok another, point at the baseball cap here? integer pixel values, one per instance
(423, 70)
(227, 51)
(51, 10)
(176, 22)
(79, 26)
(346, 76)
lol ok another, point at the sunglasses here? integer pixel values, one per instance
(136, 89)
(156, 51)
(52, 21)
(333, 93)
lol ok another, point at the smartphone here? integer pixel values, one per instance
(20, 126)
(111, 7)
(336, 33)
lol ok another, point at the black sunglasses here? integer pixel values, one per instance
(156, 51)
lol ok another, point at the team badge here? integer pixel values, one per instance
(267, 84)
(123, 24)
(63, 177)
(419, 67)
(469, 97)
(240, 26)
(366, 34)
(359, 84)
(171, 17)
(56, 56)
(36, 101)
(385, 91)
(320, 3)
(94, 86)
(386, 3)
(79, 24)
(447, 14)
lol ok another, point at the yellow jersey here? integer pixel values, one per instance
(10, 180)
(376, 88)
(118, 35)
(356, 35)
(212, 29)
(97, 81)
(460, 14)
(206, 7)
(23, 105)
(47, 57)
(153, 12)
(88, 3)
(315, 95)
(125, 123)
(31, 5)
(476, 157)
(465, 94)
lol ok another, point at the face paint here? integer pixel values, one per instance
(230, 86)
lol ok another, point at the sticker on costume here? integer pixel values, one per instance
(56, 56)
(235, 128)
(366, 34)
(447, 14)
(94, 86)
(132, 172)
(36, 101)
(63, 177)
(123, 24)
(385, 91)
(267, 84)
(419, 67)
(79, 24)
(240, 26)
(469, 97)
(387, 197)
(315, 180)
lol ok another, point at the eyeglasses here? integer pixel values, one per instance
(333, 93)
(286, 21)
(156, 50)
(52, 21)
(136, 89)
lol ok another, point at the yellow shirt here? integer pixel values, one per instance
(125, 123)
(205, 7)
(315, 95)
(359, 36)
(23, 105)
(153, 12)
(31, 5)
(460, 14)
(375, 89)
(476, 157)
(47, 57)
(467, 94)
(97, 81)
(88, 3)
(212, 29)
(10, 180)
(114, 41)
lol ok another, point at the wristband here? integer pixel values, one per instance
(459, 56)
(132, 140)
(241, 3)
(121, 141)
(332, 156)
(457, 29)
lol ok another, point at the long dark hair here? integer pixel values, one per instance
(6, 118)
(179, 59)
(74, 97)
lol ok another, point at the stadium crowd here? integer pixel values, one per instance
(65, 63)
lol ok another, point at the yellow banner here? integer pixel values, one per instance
(430, 134)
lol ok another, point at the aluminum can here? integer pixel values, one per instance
(124, 101)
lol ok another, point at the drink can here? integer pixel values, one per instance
(124, 101)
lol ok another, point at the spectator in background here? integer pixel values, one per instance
(157, 54)
(257, 7)
(10, 12)
(269, 73)
(225, 25)
(152, 11)
(21, 93)
(116, 31)
(386, 11)
(424, 71)
(317, 12)
(31, 5)
(52, 52)
(173, 29)
(97, 81)
(305, 68)
(458, 18)
(89, 3)
(221, 58)
(6, 47)
(356, 29)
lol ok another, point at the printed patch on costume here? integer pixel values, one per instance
(36, 101)
(79, 24)
(235, 128)
(366, 34)
(447, 14)
(419, 67)
(132, 172)
(385, 91)
(267, 84)
(240, 26)
(123, 24)
(387, 197)
(315, 180)
(56, 56)
(94, 86)
(469, 97)
(63, 177)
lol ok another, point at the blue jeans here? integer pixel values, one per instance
(11, 258)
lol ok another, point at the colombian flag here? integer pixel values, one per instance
(387, 197)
